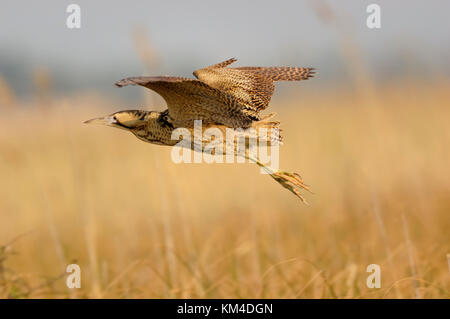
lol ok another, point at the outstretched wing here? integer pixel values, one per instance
(222, 64)
(253, 86)
(190, 99)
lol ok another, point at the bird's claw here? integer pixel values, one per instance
(293, 182)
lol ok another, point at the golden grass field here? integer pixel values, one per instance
(141, 226)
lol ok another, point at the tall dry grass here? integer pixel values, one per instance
(141, 226)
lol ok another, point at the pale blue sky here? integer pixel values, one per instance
(190, 34)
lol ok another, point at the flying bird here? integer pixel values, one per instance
(221, 97)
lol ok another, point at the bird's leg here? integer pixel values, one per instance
(291, 181)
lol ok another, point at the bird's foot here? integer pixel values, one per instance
(291, 181)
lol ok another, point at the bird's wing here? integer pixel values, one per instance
(253, 86)
(190, 99)
(223, 64)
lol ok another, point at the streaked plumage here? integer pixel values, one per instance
(253, 86)
(220, 96)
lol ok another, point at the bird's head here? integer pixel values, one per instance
(126, 120)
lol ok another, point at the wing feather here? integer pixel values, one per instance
(253, 86)
(190, 99)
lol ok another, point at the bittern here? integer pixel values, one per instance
(220, 97)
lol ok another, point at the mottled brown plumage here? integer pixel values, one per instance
(230, 96)
(221, 97)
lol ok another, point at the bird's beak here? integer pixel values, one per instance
(107, 120)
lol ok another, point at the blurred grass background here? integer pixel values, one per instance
(374, 150)
(141, 226)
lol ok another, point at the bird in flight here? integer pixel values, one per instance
(221, 97)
